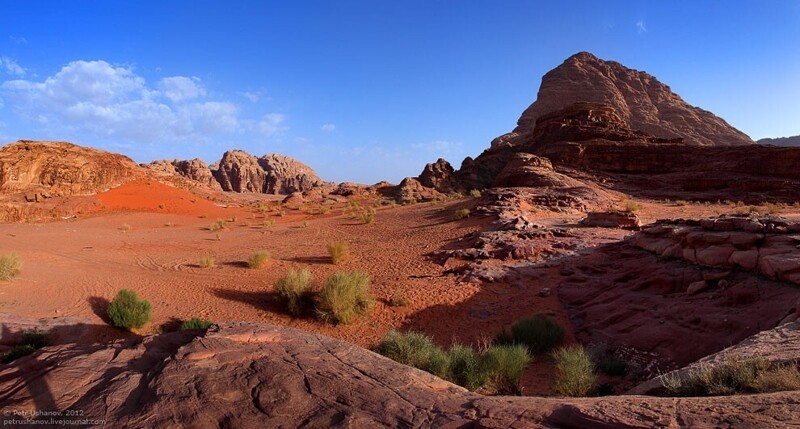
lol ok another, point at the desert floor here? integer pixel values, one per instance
(150, 238)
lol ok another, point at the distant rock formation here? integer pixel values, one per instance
(782, 141)
(439, 175)
(641, 101)
(239, 171)
(194, 169)
(410, 190)
(61, 168)
(257, 375)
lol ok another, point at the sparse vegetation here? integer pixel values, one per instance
(632, 206)
(203, 216)
(475, 193)
(733, 376)
(538, 333)
(498, 367)
(574, 371)
(206, 262)
(17, 352)
(305, 224)
(219, 225)
(126, 227)
(258, 259)
(461, 214)
(367, 216)
(127, 311)
(294, 288)
(195, 323)
(681, 203)
(397, 300)
(606, 361)
(339, 251)
(10, 266)
(344, 296)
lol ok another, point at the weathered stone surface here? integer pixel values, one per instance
(194, 169)
(251, 375)
(61, 168)
(612, 219)
(410, 190)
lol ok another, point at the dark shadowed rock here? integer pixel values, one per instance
(782, 141)
(440, 176)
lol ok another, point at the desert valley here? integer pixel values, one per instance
(620, 259)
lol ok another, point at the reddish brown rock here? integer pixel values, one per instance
(440, 176)
(239, 171)
(61, 168)
(411, 191)
(195, 170)
(612, 219)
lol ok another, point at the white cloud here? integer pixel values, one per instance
(641, 27)
(270, 124)
(328, 128)
(252, 96)
(112, 101)
(443, 147)
(11, 67)
(19, 40)
(180, 88)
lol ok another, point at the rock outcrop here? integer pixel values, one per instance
(612, 219)
(782, 141)
(439, 175)
(252, 375)
(640, 100)
(60, 168)
(410, 190)
(239, 171)
(194, 169)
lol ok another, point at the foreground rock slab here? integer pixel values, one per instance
(253, 375)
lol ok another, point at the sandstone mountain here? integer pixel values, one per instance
(782, 141)
(256, 375)
(239, 171)
(60, 168)
(641, 101)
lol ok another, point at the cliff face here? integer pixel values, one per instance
(62, 168)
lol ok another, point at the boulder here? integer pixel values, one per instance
(613, 219)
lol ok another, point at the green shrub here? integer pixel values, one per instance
(195, 323)
(293, 287)
(735, 375)
(461, 214)
(127, 311)
(414, 349)
(10, 266)
(538, 333)
(206, 262)
(574, 371)
(258, 259)
(17, 352)
(503, 366)
(606, 361)
(36, 339)
(465, 367)
(344, 296)
(339, 251)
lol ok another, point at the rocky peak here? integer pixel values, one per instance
(439, 175)
(638, 98)
(273, 174)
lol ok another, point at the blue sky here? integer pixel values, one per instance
(370, 90)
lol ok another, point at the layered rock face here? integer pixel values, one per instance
(254, 375)
(640, 100)
(60, 168)
(239, 171)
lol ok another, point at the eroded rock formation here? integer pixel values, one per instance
(194, 169)
(239, 171)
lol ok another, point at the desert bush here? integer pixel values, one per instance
(206, 262)
(10, 266)
(538, 333)
(474, 193)
(503, 365)
(344, 296)
(632, 206)
(367, 216)
(464, 367)
(305, 224)
(126, 227)
(339, 251)
(127, 311)
(219, 225)
(397, 300)
(294, 288)
(17, 352)
(574, 371)
(195, 323)
(461, 214)
(268, 223)
(36, 339)
(258, 259)
(735, 375)
(414, 349)
(324, 210)
(606, 361)
(681, 203)
(203, 216)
